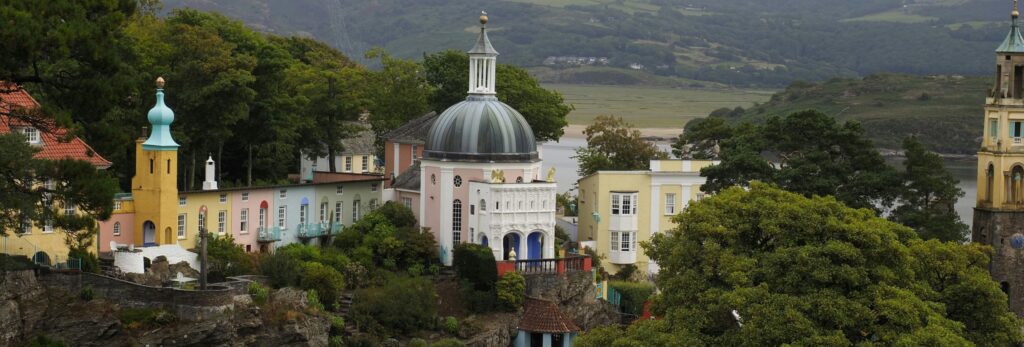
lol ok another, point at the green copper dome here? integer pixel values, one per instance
(160, 117)
(481, 129)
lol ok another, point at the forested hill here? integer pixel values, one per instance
(944, 112)
(739, 42)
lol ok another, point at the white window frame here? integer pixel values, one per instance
(263, 217)
(624, 204)
(323, 211)
(373, 187)
(407, 201)
(202, 221)
(355, 210)
(622, 241)
(339, 190)
(456, 222)
(366, 163)
(282, 217)
(117, 205)
(339, 208)
(222, 219)
(412, 157)
(117, 228)
(182, 218)
(69, 208)
(303, 214)
(48, 227)
(245, 196)
(243, 221)
(182, 201)
(283, 194)
(223, 198)
(670, 203)
(348, 164)
(31, 135)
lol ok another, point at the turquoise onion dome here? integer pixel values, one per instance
(160, 118)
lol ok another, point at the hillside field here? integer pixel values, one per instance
(652, 107)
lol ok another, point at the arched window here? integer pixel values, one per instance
(456, 222)
(1016, 178)
(483, 205)
(990, 174)
(117, 228)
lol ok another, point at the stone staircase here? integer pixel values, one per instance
(344, 307)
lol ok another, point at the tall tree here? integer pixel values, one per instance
(612, 144)
(398, 93)
(26, 198)
(701, 138)
(766, 267)
(811, 154)
(928, 196)
(545, 110)
(332, 101)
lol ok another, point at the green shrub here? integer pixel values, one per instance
(401, 306)
(282, 270)
(300, 252)
(415, 270)
(476, 264)
(511, 291)
(86, 294)
(634, 295)
(313, 301)
(45, 341)
(325, 281)
(260, 294)
(451, 326)
(625, 272)
(418, 342)
(448, 343)
(477, 301)
(336, 341)
(227, 258)
(90, 262)
(337, 326)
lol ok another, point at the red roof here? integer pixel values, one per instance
(55, 144)
(542, 316)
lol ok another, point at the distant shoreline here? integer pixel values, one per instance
(575, 131)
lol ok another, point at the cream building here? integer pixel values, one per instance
(620, 209)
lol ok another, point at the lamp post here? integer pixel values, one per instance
(202, 250)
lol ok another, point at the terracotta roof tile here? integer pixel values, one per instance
(542, 316)
(54, 144)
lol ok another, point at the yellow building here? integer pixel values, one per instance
(620, 209)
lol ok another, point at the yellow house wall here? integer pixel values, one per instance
(595, 193)
(155, 192)
(194, 201)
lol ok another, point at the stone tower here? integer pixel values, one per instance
(999, 215)
(155, 184)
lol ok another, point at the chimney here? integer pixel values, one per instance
(210, 183)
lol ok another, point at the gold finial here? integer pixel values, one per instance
(483, 17)
(160, 82)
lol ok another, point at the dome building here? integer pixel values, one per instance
(480, 175)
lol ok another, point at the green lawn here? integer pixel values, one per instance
(651, 107)
(896, 16)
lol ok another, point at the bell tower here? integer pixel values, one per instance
(155, 184)
(999, 213)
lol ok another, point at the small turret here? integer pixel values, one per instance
(482, 61)
(211, 181)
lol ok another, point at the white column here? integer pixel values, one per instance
(445, 185)
(685, 201)
(396, 160)
(549, 244)
(656, 210)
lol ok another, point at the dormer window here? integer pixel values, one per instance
(31, 135)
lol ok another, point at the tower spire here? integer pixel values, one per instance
(160, 118)
(482, 61)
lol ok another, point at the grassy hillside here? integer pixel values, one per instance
(736, 42)
(944, 112)
(651, 107)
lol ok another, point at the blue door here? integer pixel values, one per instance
(535, 245)
(148, 234)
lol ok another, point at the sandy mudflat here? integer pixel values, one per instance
(575, 131)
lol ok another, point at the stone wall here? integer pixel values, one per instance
(21, 299)
(185, 304)
(997, 229)
(575, 294)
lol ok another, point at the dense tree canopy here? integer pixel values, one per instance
(928, 196)
(612, 144)
(766, 267)
(809, 153)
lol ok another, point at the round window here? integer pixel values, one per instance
(519, 180)
(458, 181)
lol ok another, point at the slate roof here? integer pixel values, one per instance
(483, 44)
(361, 143)
(55, 142)
(542, 316)
(409, 179)
(415, 131)
(1014, 42)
